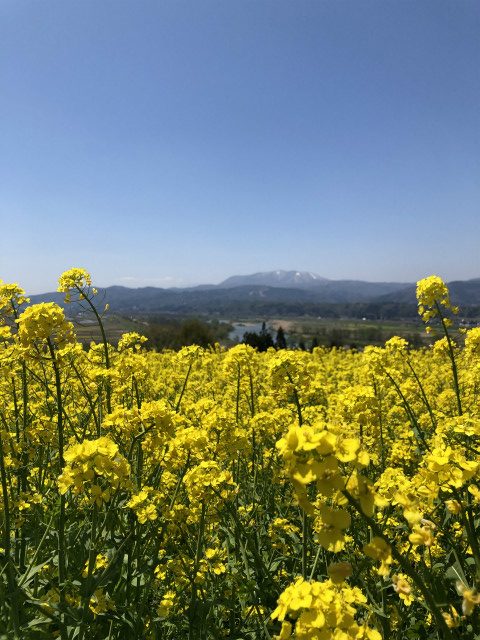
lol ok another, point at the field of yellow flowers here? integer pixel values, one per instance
(207, 494)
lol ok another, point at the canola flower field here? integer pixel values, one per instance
(207, 494)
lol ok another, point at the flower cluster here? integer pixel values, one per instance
(75, 280)
(321, 610)
(42, 324)
(96, 467)
(208, 482)
(432, 294)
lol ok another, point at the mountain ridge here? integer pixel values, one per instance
(308, 295)
(278, 278)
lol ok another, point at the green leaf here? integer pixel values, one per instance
(30, 574)
(455, 572)
(37, 622)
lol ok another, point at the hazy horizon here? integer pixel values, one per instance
(181, 142)
(167, 285)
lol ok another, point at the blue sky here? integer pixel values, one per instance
(171, 142)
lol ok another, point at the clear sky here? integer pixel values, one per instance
(172, 142)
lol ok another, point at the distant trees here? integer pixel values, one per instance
(260, 341)
(263, 340)
(177, 333)
(280, 340)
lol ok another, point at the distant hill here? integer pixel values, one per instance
(306, 294)
(464, 293)
(279, 278)
(322, 289)
(355, 290)
(153, 299)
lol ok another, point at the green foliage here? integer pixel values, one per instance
(177, 333)
(260, 341)
(280, 340)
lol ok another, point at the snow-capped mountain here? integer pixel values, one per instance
(279, 278)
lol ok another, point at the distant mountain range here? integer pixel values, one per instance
(464, 293)
(295, 279)
(277, 292)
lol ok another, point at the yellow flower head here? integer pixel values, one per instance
(132, 341)
(396, 344)
(94, 460)
(45, 322)
(378, 549)
(100, 603)
(431, 293)
(11, 297)
(329, 527)
(322, 610)
(452, 619)
(339, 571)
(166, 604)
(77, 280)
(74, 279)
(470, 598)
(403, 588)
(472, 341)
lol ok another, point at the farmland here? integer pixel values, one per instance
(177, 331)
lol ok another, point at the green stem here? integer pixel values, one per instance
(252, 393)
(192, 614)
(296, 399)
(380, 422)
(406, 567)
(315, 562)
(90, 401)
(12, 586)
(177, 407)
(469, 524)
(422, 391)
(23, 542)
(90, 566)
(304, 544)
(452, 359)
(237, 400)
(61, 520)
(409, 411)
(104, 340)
